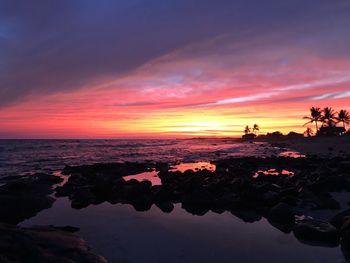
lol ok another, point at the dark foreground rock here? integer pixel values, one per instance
(282, 217)
(316, 232)
(338, 219)
(345, 238)
(43, 245)
(281, 214)
(23, 197)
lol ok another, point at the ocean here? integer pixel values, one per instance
(29, 156)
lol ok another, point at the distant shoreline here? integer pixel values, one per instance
(321, 146)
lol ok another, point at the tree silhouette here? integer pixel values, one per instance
(309, 132)
(256, 128)
(344, 117)
(247, 129)
(315, 116)
(328, 116)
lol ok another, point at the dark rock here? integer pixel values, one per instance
(163, 194)
(162, 167)
(42, 245)
(26, 196)
(339, 218)
(281, 214)
(270, 197)
(107, 169)
(16, 208)
(142, 204)
(64, 190)
(247, 216)
(290, 200)
(166, 207)
(318, 233)
(82, 198)
(345, 237)
(71, 229)
(325, 201)
(145, 186)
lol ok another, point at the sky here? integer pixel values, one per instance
(169, 68)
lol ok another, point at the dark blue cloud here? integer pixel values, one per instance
(49, 46)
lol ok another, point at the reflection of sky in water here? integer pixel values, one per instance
(273, 172)
(182, 167)
(124, 235)
(151, 176)
(292, 154)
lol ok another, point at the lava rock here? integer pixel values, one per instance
(25, 196)
(339, 218)
(281, 214)
(166, 207)
(315, 232)
(42, 245)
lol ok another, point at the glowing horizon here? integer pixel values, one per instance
(167, 78)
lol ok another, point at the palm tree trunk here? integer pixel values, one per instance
(316, 127)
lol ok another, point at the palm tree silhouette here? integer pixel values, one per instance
(328, 116)
(309, 132)
(247, 129)
(344, 117)
(256, 128)
(315, 116)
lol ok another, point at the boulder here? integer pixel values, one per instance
(42, 245)
(82, 198)
(166, 207)
(316, 232)
(281, 214)
(25, 196)
(339, 218)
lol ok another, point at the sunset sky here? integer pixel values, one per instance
(169, 68)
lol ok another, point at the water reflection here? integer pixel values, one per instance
(151, 176)
(292, 154)
(273, 172)
(195, 166)
(123, 235)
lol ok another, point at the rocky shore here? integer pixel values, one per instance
(42, 245)
(283, 190)
(22, 197)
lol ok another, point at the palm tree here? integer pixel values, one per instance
(247, 129)
(328, 116)
(309, 132)
(256, 128)
(344, 117)
(315, 116)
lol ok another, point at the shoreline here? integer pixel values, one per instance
(285, 191)
(314, 146)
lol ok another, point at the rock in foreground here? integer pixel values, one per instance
(316, 232)
(42, 245)
(25, 196)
